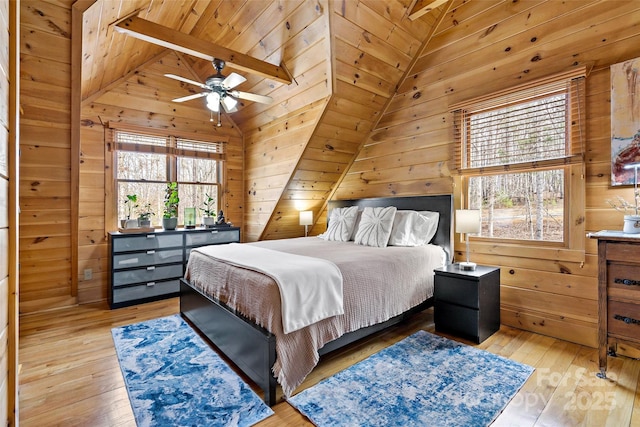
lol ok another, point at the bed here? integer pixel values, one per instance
(249, 329)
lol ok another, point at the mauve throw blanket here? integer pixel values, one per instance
(379, 283)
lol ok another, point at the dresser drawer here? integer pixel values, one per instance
(625, 252)
(149, 257)
(132, 293)
(459, 291)
(146, 241)
(624, 319)
(212, 237)
(623, 281)
(147, 275)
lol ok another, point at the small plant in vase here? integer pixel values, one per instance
(130, 203)
(631, 217)
(208, 211)
(170, 211)
(144, 217)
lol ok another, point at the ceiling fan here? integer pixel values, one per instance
(219, 90)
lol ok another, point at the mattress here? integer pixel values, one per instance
(378, 284)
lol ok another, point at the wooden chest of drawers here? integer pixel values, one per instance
(618, 296)
(148, 266)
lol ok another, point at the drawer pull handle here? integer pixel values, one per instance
(150, 284)
(150, 236)
(151, 268)
(627, 320)
(627, 282)
(151, 252)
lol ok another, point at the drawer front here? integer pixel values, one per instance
(457, 291)
(149, 257)
(146, 242)
(456, 319)
(147, 275)
(626, 252)
(131, 293)
(623, 281)
(624, 319)
(212, 237)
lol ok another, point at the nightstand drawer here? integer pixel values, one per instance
(147, 241)
(149, 257)
(457, 320)
(154, 289)
(459, 291)
(624, 319)
(212, 237)
(147, 275)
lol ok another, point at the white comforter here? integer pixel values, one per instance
(310, 288)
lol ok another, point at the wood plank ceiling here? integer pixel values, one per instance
(346, 59)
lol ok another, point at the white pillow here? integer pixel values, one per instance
(341, 224)
(411, 228)
(375, 226)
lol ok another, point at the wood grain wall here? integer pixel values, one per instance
(479, 49)
(142, 100)
(45, 144)
(9, 71)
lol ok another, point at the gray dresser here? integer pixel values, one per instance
(148, 266)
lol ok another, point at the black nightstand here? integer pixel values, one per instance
(467, 303)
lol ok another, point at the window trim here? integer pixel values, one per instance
(112, 148)
(573, 163)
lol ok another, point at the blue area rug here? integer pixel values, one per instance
(424, 380)
(175, 379)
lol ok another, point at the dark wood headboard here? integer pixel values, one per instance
(440, 203)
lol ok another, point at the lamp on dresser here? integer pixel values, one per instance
(306, 219)
(468, 221)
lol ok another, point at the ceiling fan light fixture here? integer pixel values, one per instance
(229, 103)
(213, 101)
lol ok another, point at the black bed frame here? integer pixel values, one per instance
(252, 348)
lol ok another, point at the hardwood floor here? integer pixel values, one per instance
(70, 375)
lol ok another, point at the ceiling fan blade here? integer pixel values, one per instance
(185, 80)
(233, 80)
(263, 99)
(190, 97)
(229, 104)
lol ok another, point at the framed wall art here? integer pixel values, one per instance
(625, 119)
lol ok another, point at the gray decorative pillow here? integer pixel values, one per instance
(375, 226)
(341, 223)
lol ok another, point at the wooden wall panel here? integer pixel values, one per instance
(140, 101)
(482, 47)
(45, 234)
(5, 249)
(372, 45)
(9, 218)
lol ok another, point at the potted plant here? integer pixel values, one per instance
(170, 211)
(631, 217)
(130, 203)
(144, 217)
(208, 211)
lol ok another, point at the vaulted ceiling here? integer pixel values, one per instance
(345, 60)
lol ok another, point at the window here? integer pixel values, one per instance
(145, 163)
(516, 153)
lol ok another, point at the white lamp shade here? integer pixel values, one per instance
(468, 221)
(213, 101)
(306, 217)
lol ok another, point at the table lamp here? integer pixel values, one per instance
(306, 219)
(468, 221)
